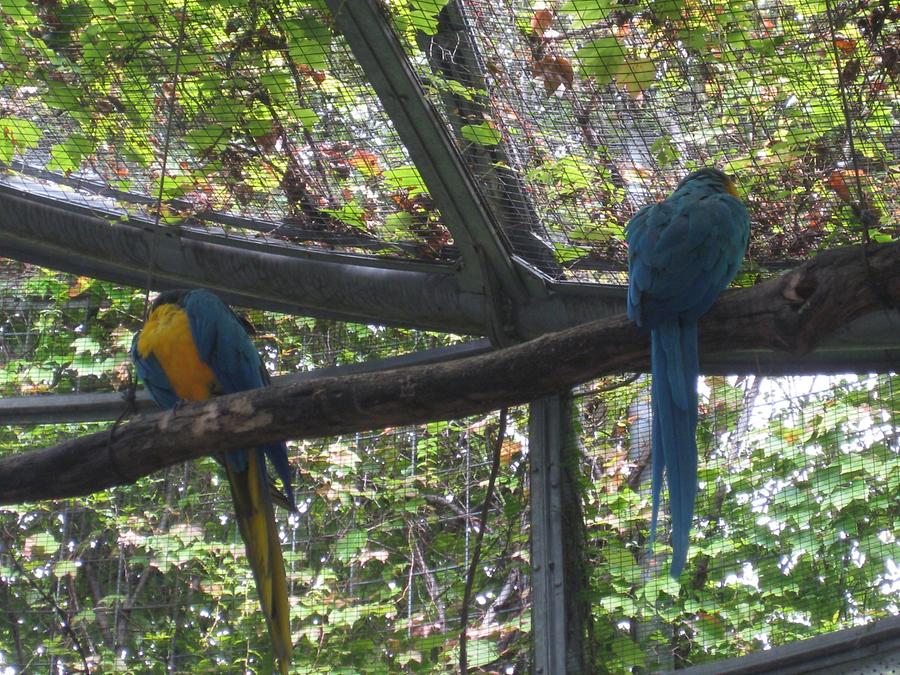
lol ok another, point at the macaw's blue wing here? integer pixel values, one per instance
(153, 377)
(682, 253)
(223, 343)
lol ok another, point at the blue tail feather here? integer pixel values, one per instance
(277, 454)
(675, 369)
(658, 459)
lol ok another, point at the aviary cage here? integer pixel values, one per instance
(383, 185)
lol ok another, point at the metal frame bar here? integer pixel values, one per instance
(454, 55)
(294, 232)
(88, 237)
(549, 617)
(863, 649)
(104, 407)
(83, 240)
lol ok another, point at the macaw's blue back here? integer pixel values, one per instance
(193, 347)
(682, 252)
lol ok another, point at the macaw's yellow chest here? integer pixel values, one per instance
(167, 335)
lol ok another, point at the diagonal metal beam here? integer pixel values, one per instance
(449, 182)
(454, 55)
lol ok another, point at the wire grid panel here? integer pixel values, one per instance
(574, 114)
(153, 577)
(795, 530)
(248, 117)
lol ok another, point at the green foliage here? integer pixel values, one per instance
(601, 58)
(798, 527)
(253, 103)
(16, 136)
(483, 134)
(649, 89)
(154, 574)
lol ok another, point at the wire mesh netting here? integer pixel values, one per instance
(574, 114)
(252, 120)
(152, 577)
(254, 117)
(248, 117)
(796, 526)
(795, 534)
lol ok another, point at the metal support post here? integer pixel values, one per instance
(559, 619)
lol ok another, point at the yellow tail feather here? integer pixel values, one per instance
(256, 521)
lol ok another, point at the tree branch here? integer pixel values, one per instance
(792, 312)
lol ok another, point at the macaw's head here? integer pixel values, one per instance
(173, 297)
(713, 178)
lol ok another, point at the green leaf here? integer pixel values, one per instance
(666, 9)
(40, 544)
(620, 605)
(483, 134)
(585, 12)
(621, 563)
(65, 568)
(629, 653)
(636, 75)
(481, 652)
(790, 497)
(694, 37)
(67, 156)
(423, 14)
(844, 496)
(398, 223)
(63, 96)
(566, 253)
(665, 151)
(309, 41)
(601, 59)
(571, 175)
(86, 345)
(350, 213)
(17, 136)
(406, 178)
(19, 13)
(306, 116)
(348, 546)
(212, 137)
(710, 629)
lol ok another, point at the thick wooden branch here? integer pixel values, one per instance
(792, 312)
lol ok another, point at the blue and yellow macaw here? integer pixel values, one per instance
(682, 252)
(193, 347)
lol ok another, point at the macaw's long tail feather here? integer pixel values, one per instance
(675, 370)
(277, 454)
(256, 520)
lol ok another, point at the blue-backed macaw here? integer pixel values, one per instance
(682, 252)
(193, 347)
